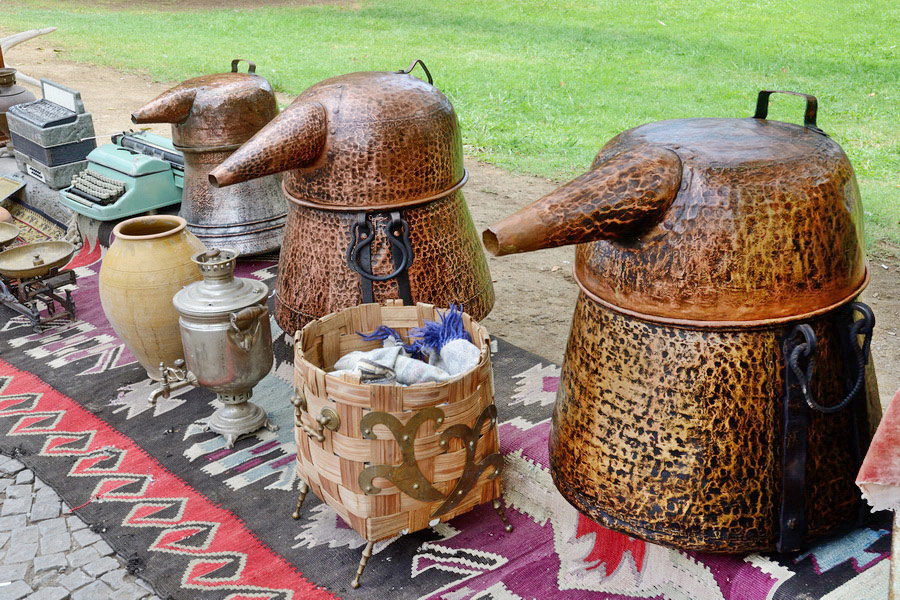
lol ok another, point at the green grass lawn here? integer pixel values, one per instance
(539, 86)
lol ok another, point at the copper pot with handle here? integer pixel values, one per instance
(716, 392)
(373, 172)
(211, 117)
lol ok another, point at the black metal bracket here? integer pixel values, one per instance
(359, 257)
(799, 364)
(799, 400)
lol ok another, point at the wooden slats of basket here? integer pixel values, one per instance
(332, 467)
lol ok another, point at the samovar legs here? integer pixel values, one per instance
(303, 491)
(501, 512)
(366, 555)
(238, 417)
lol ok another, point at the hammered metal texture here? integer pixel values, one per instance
(766, 224)
(615, 200)
(293, 140)
(248, 217)
(390, 138)
(213, 110)
(448, 265)
(210, 116)
(673, 434)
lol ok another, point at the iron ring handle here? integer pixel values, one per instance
(251, 66)
(398, 241)
(412, 66)
(863, 326)
(809, 117)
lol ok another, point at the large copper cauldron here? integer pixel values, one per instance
(714, 393)
(374, 175)
(211, 117)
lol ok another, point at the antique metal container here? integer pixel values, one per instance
(374, 175)
(10, 95)
(227, 340)
(211, 117)
(716, 392)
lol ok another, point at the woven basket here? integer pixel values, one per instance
(391, 459)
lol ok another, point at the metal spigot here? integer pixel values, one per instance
(172, 379)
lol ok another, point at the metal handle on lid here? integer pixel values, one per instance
(809, 117)
(409, 69)
(251, 66)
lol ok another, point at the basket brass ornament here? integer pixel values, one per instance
(391, 459)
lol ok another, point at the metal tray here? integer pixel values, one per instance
(8, 234)
(34, 260)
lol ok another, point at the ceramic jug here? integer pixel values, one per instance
(147, 263)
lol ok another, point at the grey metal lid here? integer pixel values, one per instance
(219, 292)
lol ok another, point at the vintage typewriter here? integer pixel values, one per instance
(51, 137)
(137, 172)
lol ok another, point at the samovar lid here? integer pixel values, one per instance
(219, 292)
(218, 111)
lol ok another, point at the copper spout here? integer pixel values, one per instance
(619, 198)
(292, 140)
(172, 106)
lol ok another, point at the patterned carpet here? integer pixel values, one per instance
(34, 225)
(199, 520)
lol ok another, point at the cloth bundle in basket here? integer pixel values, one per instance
(391, 459)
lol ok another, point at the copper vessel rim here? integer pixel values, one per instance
(203, 149)
(376, 207)
(753, 324)
(256, 222)
(177, 224)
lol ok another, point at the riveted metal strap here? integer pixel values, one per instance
(799, 351)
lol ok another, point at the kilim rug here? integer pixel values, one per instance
(34, 225)
(200, 521)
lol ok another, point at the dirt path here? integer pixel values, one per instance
(535, 292)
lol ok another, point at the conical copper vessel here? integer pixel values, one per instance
(211, 117)
(716, 392)
(373, 171)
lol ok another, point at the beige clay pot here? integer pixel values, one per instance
(149, 261)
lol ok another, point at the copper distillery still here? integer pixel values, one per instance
(374, 175)
(716, 392)
(211, 117)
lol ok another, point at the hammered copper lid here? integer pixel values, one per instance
(223, 109)
(708, 221)
(369, 139)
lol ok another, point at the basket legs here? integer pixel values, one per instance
(303, 490)
(366, 555)
(501, 512)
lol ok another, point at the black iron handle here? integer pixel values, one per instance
(251, 66)
(809, 117)
(864, 327)
(397, 234)
(409, 69)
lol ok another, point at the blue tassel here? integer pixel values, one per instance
(433, 336)
(384, 332)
